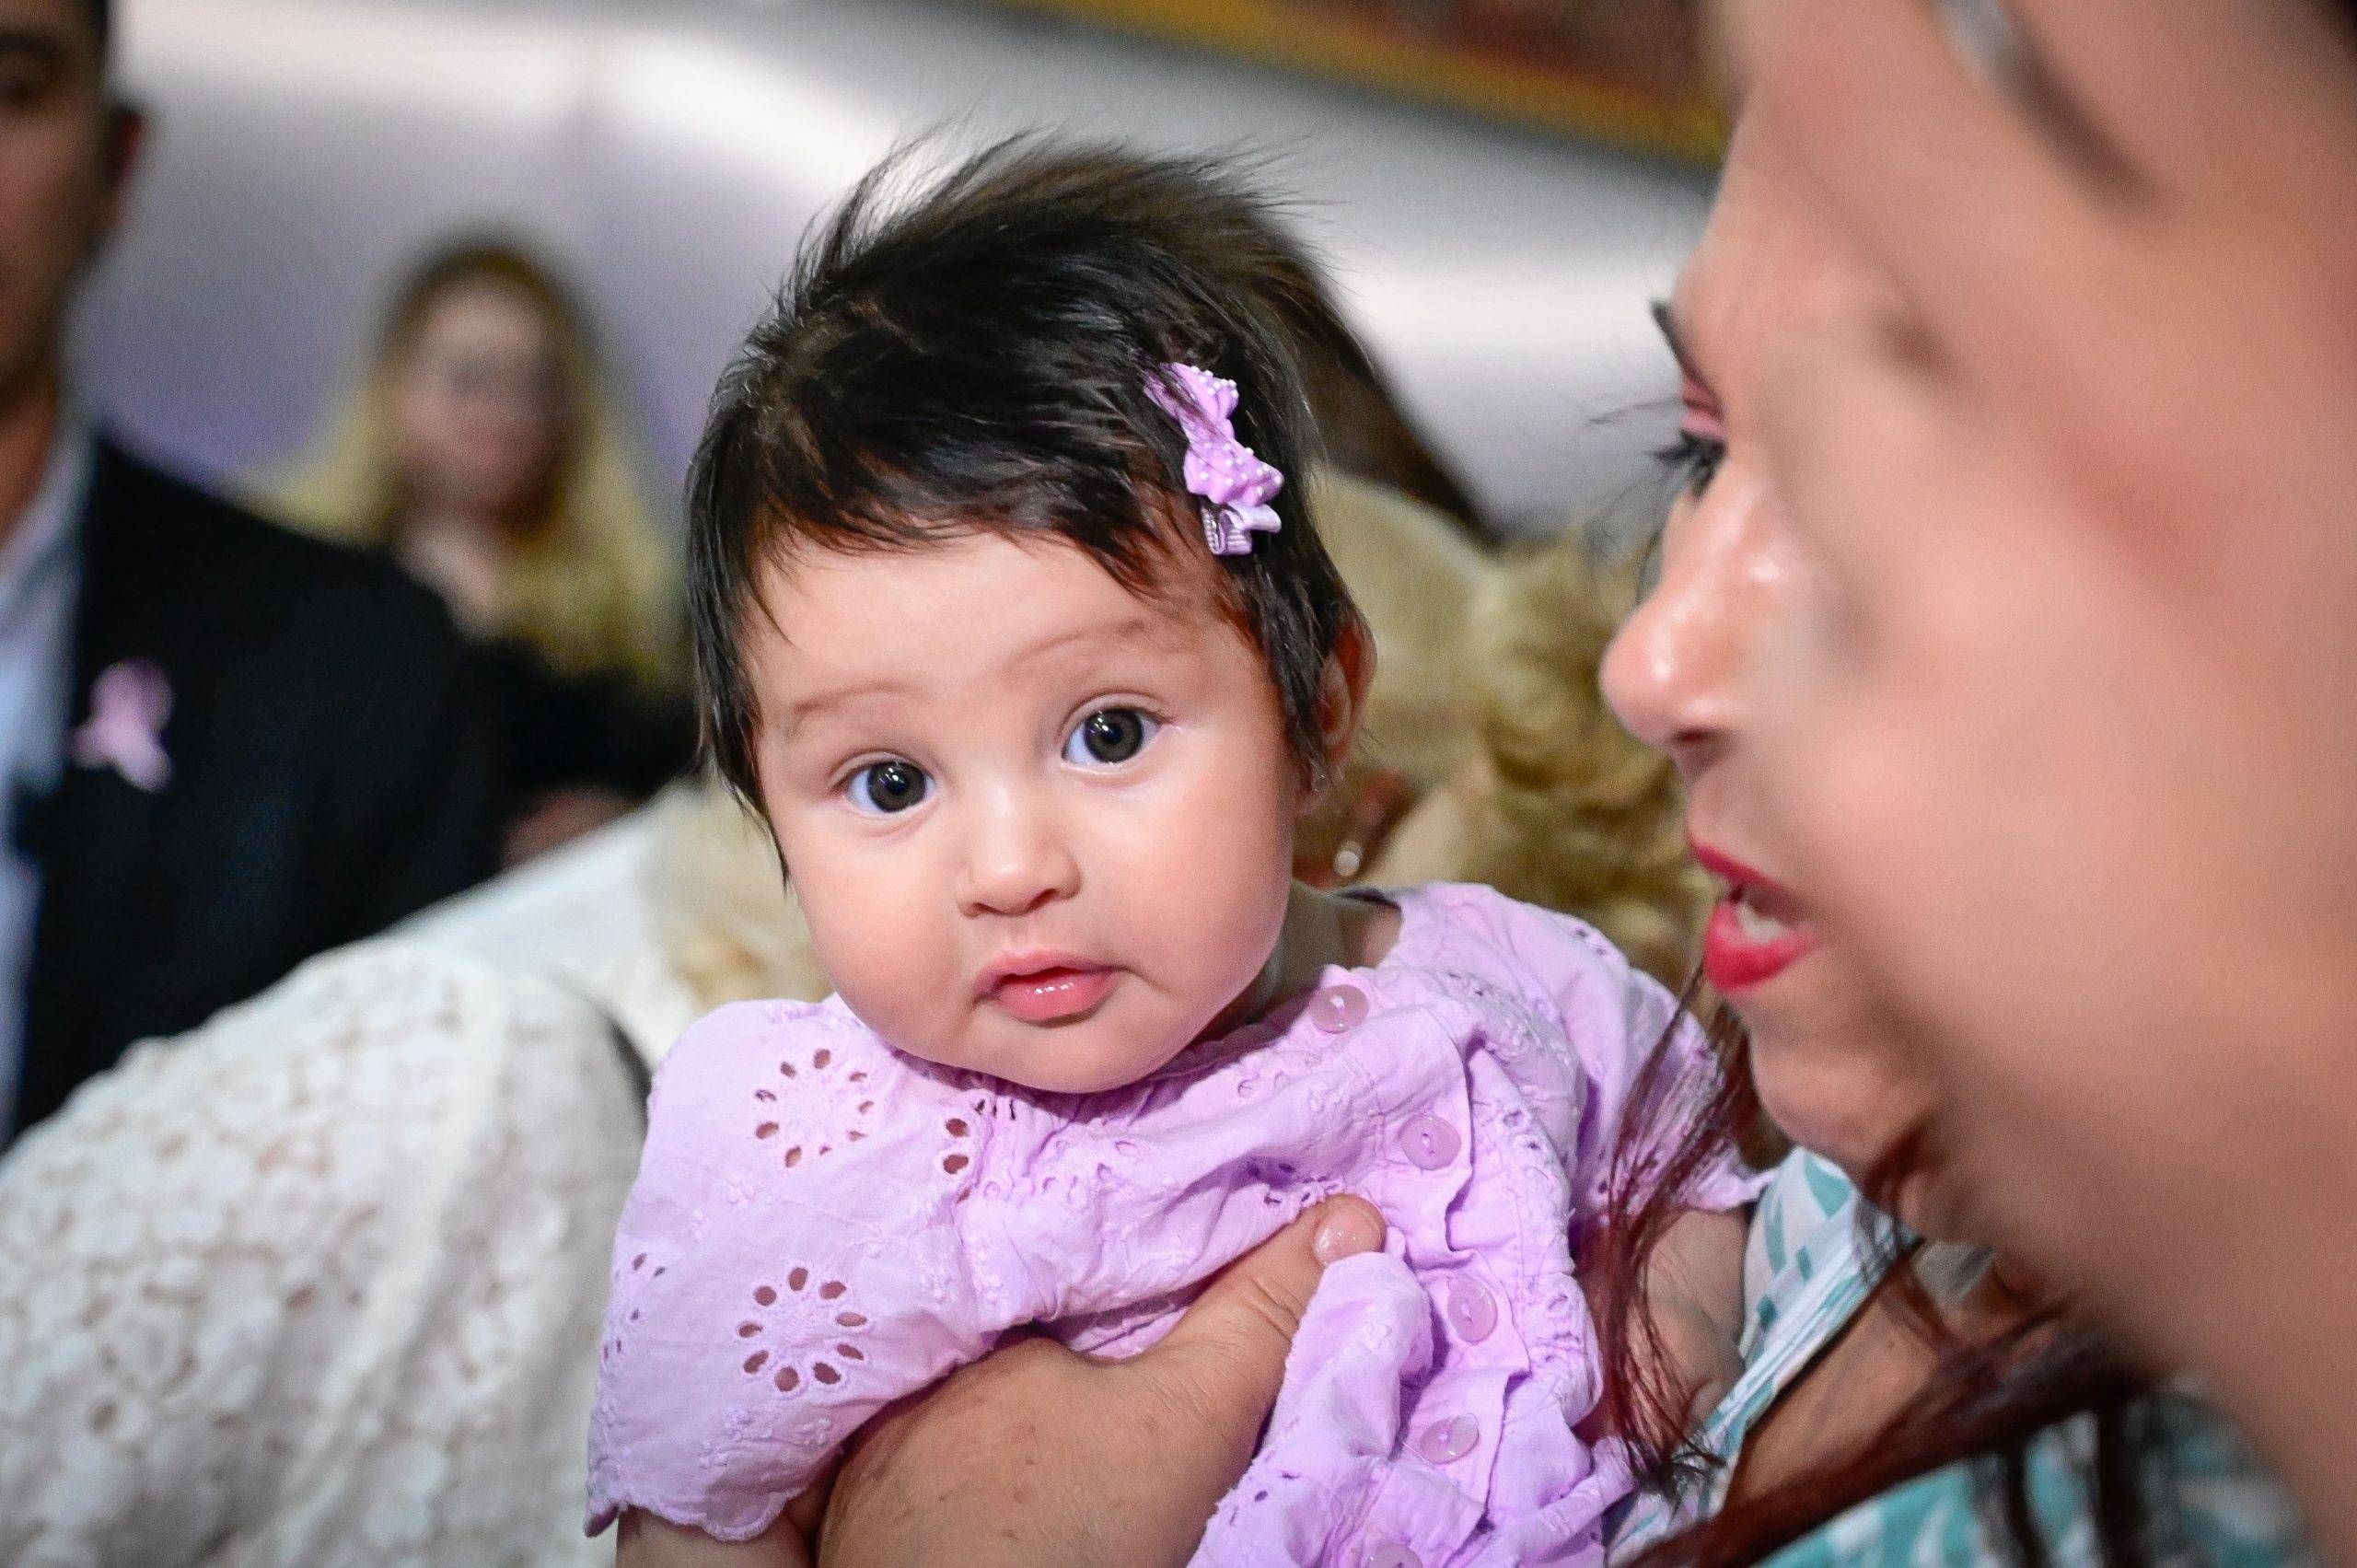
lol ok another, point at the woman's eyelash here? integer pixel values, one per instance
(1693, 460)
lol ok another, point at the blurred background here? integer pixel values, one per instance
(451, 281)
(1499, 187)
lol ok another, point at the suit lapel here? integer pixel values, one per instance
(94, 836)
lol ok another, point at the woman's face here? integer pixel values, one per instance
(1682, 671)
(478, 403)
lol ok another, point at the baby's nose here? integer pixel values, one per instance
(1017, 863)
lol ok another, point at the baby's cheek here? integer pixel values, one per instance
(903, 999)
(873, 940)
(1214, 923)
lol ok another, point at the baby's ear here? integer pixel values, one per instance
(1341, 694)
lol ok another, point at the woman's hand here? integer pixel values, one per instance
(1040, 1457)
(2072, 748)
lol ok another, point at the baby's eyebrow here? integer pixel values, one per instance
(803, 711)
(1131, 629)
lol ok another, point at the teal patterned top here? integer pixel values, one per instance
(1811, 1263)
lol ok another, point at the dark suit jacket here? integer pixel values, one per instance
(331, 771)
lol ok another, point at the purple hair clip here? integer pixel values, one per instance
(1235, 486)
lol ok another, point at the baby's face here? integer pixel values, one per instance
(1040, 827)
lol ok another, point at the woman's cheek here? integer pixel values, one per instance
(1834, 1075)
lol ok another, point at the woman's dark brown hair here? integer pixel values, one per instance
(1986, 1400)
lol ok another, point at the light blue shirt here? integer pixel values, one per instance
(1813, 1261)
(41, 572)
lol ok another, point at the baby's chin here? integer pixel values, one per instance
(1067, 1061)
(1082, 1058)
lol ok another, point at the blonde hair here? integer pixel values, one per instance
(593, 589)
(728, 925)
(1560, 807)
(1415, 576)
(1578, 813)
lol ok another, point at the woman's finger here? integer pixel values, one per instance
(1228, 1352)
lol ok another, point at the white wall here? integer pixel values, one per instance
(672, 150)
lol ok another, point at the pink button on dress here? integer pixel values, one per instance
(821, 1224)
(1472, 1311)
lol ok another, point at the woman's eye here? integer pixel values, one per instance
(1109, 736)
(1694, 460)
(885, 789)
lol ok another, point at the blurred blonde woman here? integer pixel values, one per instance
(480, 449)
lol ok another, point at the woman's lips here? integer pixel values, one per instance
(1756, 933)
(1051, 994)
(1742, 947)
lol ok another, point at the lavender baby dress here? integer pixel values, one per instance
(821, 1224)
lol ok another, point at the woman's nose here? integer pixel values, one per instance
(1017, 860)
(1673, 671)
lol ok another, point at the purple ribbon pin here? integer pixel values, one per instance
(1233, 484)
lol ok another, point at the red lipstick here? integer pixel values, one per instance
(1756, 932)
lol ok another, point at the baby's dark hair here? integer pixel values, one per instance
(976, 358)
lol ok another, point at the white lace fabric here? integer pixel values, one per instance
(320, 1283)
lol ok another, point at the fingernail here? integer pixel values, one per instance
(1344, 1234)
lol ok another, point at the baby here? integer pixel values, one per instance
(1011, 620)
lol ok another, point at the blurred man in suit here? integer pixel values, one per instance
(222, 747)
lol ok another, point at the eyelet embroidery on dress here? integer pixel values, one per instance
(814, 1104)
(790, 1378)
(628, 1281)
(1507, 1014)
(817, 1315)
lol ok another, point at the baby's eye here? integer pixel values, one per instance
(1110, 736)
(884, 789)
